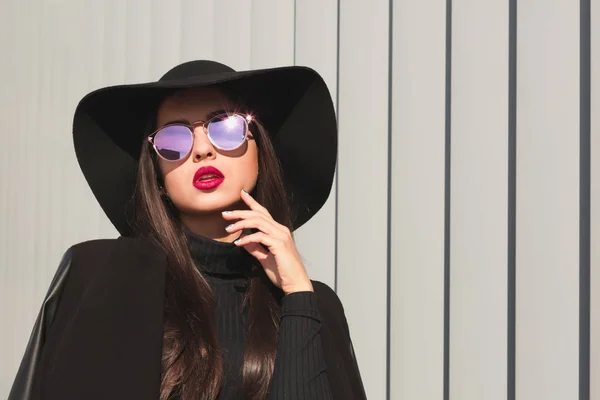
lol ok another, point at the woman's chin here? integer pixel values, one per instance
(212, 204)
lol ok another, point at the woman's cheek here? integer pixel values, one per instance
(248, 174)
(175, 185)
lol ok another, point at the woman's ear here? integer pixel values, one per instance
(163, 191)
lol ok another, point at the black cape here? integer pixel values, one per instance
(99, 332)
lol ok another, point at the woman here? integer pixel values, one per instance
(205, 174)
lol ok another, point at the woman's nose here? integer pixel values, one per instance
(203, 148)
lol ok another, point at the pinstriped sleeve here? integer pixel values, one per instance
(300, 371)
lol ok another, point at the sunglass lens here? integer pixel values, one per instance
(227, 132)
(173, 142)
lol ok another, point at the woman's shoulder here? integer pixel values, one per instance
(106, 247)
(108, 244)
(92, 246)
(105, 264)
(325, 292)
(329, 303)
(87, 257)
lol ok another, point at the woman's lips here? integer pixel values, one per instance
(207, 178)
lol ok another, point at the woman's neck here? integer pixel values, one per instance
(209, 225)
(218, 259)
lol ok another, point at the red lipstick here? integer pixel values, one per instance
(207, 178)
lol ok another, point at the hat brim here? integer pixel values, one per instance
(293, 103)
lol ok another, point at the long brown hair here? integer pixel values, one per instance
(192, 364)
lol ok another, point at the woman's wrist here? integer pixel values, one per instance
(303, 287)
(300, 304)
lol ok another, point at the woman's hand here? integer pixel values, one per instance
(281, 261)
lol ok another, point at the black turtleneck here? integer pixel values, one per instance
(300, 371)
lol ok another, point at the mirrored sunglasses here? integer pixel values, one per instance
(226, 131)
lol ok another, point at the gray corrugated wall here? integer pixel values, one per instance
(462, 230)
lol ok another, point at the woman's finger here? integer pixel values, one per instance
(259, 223)
(263, 255)
(257, 251)
(258, 237)
(242, 214)
(249, 214)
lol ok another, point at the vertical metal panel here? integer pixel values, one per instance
(447, 195)
(114, 47)
(272, 33)
(198, 32)
(139, 28)
(417, 212)
(595, 206)
(233, 33)
(18, 292)
(512, 200)
(165, 36)
(479, 170)
(316, 47)
(362, 180)
(585, 197)
(547, 200)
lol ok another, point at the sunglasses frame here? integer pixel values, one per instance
(192, 126)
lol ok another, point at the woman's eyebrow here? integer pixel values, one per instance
(216, 112)
(208, 116)
(177, 121)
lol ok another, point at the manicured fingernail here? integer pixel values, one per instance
(237, 241)
(226, 212)
(244, 190)
(228, 227)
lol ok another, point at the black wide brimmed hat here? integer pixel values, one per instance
(292, 103)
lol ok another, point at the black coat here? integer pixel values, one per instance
(99, 332)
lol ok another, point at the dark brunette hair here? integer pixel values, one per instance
(192, 364)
